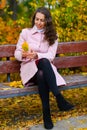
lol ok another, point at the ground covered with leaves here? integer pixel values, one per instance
(23, 112)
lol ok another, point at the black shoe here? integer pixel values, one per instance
(48, 124)
(63, 104)
(68, 107)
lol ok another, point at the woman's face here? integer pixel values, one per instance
(40, 20)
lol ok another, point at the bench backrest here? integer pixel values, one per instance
(65, 56)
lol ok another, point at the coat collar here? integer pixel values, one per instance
(35, 30)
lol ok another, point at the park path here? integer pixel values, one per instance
(73, 123)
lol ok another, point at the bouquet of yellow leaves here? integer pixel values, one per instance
(25, 46)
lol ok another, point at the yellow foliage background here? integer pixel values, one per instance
(69, 17)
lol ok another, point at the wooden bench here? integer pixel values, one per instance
(75, 55)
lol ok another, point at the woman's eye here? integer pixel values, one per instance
(42, 20)
(36, 19)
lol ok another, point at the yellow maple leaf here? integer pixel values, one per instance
(25, 46)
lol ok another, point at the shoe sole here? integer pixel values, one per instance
(67, 109)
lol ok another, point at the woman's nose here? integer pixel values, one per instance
(39, 21)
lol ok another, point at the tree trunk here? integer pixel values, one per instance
(13, 6)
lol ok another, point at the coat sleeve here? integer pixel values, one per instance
(18, 51)
(51, 53)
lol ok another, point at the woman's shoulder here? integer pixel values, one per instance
(24, 30)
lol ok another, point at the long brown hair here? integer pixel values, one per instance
(50, 32)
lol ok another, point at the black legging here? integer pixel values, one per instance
(46, 81)
(46, 76)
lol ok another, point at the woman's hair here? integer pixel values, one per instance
(50, 32)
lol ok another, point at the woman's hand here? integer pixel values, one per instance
(29, 55)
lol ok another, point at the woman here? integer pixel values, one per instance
(36, 64)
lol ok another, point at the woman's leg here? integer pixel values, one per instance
(50, 79)
(44, 95)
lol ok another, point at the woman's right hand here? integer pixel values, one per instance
(29, 54)
(24, 54)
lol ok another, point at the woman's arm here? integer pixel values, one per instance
(51, 52)
(18, 51)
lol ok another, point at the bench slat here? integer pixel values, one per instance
(59, 62)
(8, 50)
(73, 81)
(70, 61)
(69, 47)
(18, 92)
(9, 67)
(63, 47)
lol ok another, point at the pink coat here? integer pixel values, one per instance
(36, 41)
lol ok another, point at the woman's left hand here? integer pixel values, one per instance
(32, 55)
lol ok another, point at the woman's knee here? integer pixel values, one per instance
(40, 75)
(43, 61)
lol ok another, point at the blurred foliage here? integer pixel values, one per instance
(71, 20)
(69, 17)
(9, 31)
(2, 4)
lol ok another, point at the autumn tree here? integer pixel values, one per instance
(13, 6)
(2, 6)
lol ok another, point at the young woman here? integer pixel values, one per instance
(36, 64)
